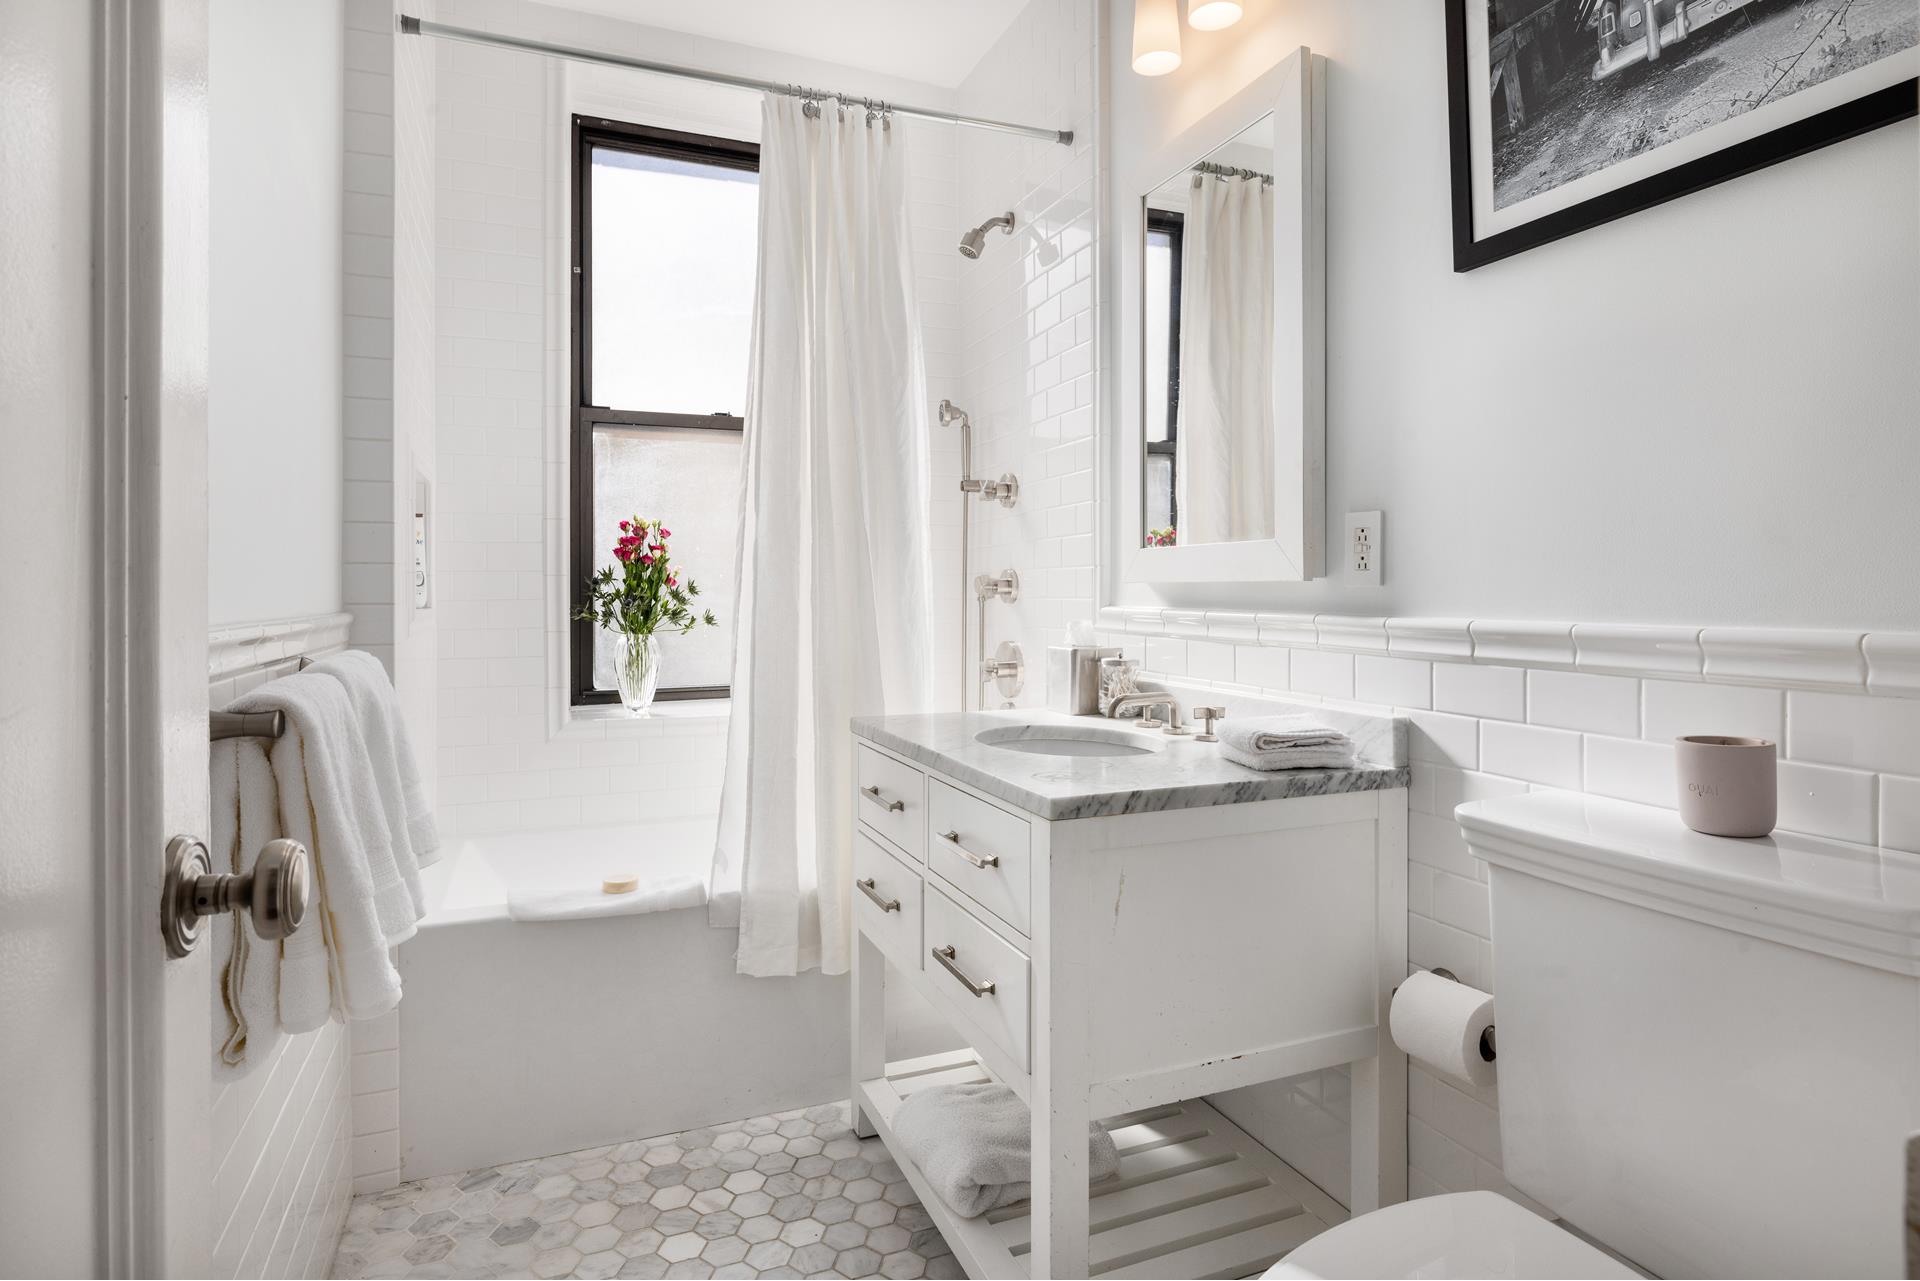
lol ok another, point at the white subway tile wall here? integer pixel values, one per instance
(390, 409)
(281, 1136)
(1026, 315)
(367, 579)
(1850, 767)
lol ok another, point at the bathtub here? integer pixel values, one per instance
(525, 1039)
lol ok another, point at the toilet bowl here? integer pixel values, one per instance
(1461, 1234)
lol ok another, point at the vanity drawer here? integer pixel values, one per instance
(892, 799)
(980, 957)
(886, 901)
(983, 851)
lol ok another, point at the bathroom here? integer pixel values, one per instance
(1566, 552)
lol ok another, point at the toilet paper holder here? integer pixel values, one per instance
(1486, 1037)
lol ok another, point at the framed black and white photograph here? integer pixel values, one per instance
(1565, 114)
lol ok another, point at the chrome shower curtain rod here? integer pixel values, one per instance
(422, 27)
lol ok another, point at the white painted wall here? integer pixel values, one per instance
(1761, 476)
(274, 380)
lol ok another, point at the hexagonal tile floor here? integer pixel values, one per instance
(795, 1194)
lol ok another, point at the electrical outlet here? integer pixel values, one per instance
(1365, 545)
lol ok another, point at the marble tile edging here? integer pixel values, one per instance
(244, 646)
(1845, 661)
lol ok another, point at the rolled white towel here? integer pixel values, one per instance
(974, 1144)
(571, 904)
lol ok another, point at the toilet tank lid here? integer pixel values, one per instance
(1857, 902)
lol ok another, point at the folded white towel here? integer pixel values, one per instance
(973, 1142)
(1278, 733)
(330, 803)
(246, 999)
(246, 816)
(571, 904)
(1291, 758)
(397, 776)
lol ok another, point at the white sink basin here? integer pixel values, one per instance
(1068, 740)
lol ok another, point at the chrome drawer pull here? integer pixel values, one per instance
(886, 904)
(978, 860)
(873, 794)
(944, 955)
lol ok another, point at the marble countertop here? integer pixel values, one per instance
(1178, 774)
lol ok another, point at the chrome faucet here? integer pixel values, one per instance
(1147, 702)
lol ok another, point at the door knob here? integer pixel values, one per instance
(273, 896)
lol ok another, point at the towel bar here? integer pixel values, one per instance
(250, 724)
(245, 725)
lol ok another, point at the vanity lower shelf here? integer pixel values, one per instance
(1195, 1197)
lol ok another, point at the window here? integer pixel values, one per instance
(665, 237)
(1165, 231)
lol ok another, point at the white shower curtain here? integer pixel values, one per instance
(1224, 472)
(832, 615)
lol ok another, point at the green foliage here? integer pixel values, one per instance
(644, 593)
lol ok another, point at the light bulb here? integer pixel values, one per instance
(1156, 36)
(1213, 15)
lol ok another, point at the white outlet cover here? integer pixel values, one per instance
(1364, 546)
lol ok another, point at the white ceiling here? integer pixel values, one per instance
(936, 42)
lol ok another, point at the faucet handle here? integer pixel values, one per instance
(1209, 715)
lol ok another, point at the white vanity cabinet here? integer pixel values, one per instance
(1109, 956)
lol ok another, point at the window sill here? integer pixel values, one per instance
(679, 709)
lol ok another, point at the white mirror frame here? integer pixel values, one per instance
(1294, 92)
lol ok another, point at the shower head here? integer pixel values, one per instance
(975, 240)
(951, 413)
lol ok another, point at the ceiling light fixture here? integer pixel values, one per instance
(1213, 15)
(1156, 36)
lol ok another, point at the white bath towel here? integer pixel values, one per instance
(1285, 742)
(330, 803)
(973, 1142)
(583, 902)
(397, 775)
(246, 816)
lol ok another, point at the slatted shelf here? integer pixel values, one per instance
(1196, 1196)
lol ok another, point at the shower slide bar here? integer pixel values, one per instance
(413, 26)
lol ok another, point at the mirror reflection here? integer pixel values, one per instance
(1208, 333)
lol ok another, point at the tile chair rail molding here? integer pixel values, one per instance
(1837, 660)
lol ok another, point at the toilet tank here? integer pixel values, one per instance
(1709, 1049)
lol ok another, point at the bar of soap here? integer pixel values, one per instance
(620, 885)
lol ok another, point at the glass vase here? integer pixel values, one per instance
(636, 669)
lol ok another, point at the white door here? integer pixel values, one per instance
(104, 1043)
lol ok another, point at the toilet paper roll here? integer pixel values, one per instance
(1440, 1022)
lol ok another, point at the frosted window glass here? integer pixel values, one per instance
(673, 255)
(1159, 491)
(690, 478)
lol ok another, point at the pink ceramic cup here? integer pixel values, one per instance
(1728, 786)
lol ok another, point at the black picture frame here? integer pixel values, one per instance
(1863, 114)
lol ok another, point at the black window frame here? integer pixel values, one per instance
(590, 132)
(1173, 226)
